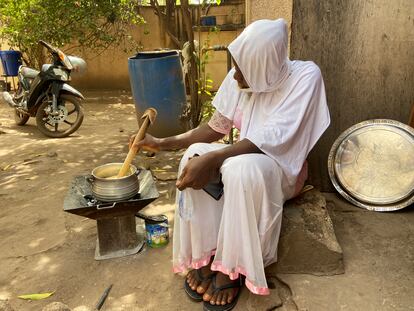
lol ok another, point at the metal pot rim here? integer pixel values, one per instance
(93, 173)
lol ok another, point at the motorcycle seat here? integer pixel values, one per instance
(28, 72)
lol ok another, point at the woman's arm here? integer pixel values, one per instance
(199, 170)
(203, 133)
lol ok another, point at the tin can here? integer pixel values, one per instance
(157, 231)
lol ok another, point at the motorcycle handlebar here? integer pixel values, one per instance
(48, 46)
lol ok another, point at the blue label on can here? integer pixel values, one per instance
(157, 233)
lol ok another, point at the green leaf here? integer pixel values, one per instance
(36, 296)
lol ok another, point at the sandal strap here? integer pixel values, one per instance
(202, 278)
(235, 285)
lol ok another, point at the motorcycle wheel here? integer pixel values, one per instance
(20, 118)
(68, 121)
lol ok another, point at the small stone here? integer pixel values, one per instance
(149, 154)
(52, 154)
(165, 176)
(5, 306)
(56, 306)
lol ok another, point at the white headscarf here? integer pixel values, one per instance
(286, 112)
(260, 51)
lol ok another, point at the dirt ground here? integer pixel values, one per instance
(45, 249)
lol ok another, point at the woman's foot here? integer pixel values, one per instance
(224, 296)
(200, 285)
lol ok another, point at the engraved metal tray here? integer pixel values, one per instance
(371, 165)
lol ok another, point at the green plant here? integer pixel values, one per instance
(204, 81)
(91, 24)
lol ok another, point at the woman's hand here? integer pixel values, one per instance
(198, 172)
(149, 143)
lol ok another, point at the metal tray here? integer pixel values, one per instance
(371, 165)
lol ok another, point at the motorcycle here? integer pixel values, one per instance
(47, 96)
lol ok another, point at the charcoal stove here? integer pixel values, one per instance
(116, 225)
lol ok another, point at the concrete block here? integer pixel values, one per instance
(308, 243)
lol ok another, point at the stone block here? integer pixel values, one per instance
(307, 242)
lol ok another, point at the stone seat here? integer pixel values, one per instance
(308, 242)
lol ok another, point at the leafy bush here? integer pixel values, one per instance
(93, 24)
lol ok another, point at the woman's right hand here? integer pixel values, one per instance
(149, 143)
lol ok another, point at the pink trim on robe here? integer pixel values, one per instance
(194, 264)
(220, 123)
(218, 266)
(237, 120)
(235, 273)
(300, 181)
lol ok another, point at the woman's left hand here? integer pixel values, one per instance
(198, 172)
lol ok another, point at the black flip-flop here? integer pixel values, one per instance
(193, 293)
(207, 306)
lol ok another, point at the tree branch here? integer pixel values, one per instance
(165, 19)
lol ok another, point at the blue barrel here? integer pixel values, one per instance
(157, 81)
(11, 60)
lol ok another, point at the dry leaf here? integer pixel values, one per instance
(306, 189)
(7, 167)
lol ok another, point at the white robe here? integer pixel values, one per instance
(284, 114)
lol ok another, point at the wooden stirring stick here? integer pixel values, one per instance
(149, 117)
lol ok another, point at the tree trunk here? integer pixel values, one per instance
(195, 108)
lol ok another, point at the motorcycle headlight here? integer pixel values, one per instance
(79, 65)
(65, 60)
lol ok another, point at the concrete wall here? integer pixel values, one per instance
(268, 9)
(110, 69)
(3, 46)
(365, 50)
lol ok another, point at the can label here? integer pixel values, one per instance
(157, 233)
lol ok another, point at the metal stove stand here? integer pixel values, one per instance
(116, 225)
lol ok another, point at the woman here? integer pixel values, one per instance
(280, 108)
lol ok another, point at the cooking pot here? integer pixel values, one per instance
(114, 189)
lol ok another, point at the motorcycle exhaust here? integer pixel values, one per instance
(8, 99)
